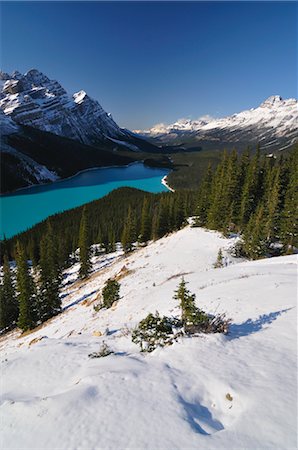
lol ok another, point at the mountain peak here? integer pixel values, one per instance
(273, 100)
(36, 77)
(80, 96)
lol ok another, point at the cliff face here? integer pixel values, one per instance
(33, 99)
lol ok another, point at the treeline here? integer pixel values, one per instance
(256, 196)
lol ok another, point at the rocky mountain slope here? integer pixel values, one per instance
(33, 99)
(210, 391)
(48, 134)
(274, 124)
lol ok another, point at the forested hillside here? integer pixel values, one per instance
(252, 195)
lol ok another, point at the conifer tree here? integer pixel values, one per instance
(84, 246)
(191, 316)
(145, 232)
(217, 209)
(204, 197)
(27, 298)
(155, 224)
(255, 235)
(50, 276)
(272, 211)
(219, 261)
(8, 302)
(289, 214)
(162, 221)
(129, 232)
(250, 192)
(112, 243)
(179, 212)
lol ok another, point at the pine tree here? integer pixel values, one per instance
(50, 276)
(84, 245)
(191, 317)
(219, 260)
(8, 302)
(129, 232)
(162, 220)
(112, 243)
(186, 300)
(145, 232)
(27, 298)
(250, 193)
(217, 210)
(110, 292)
(272, 211)
(289, 214)
(204, 197)
(255, 235)
(179, 212)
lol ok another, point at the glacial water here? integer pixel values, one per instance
(26, 207)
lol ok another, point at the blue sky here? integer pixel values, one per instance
(151, 62)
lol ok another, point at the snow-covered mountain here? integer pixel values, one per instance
(237, 391)
(35, 100)
(274, 124)
(45, 133)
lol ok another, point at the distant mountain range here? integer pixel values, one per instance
(48, 134)
(274, 125)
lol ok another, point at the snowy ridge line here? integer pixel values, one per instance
(273, 123)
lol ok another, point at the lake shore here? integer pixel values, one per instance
(164, 182)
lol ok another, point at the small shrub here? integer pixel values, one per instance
(238, 250)
(154, 331)
(219, 261)
(110, 293)
(98, 307)
(103, 351)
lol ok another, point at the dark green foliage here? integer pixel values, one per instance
(289, 213)
(157, 331)
(104, 351)
(50, 276)
(256, 196)
(191, 317)
(254, 243)
(145, 232)
(154, 331)
(129, 231)
(110, 293)
(27, 298)
(84, 246)
(204, 197)
(219, 260)
(9, 309)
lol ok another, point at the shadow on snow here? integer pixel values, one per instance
(253, 326)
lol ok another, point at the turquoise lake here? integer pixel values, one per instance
(26, 207)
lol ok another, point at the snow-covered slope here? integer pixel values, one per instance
(35, 100)
(274, 123)
(212, 392)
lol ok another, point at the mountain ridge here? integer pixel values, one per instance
(273, 123)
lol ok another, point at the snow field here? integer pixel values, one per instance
(226, 392)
